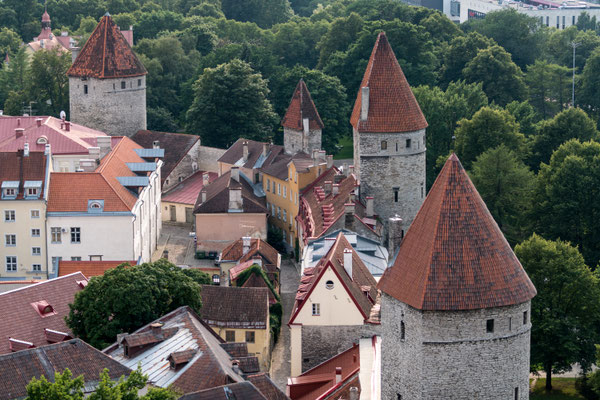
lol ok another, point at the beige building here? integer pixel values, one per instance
(178, 203)
(24, 180)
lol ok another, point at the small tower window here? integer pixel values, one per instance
(422, 191)
(489, 326)
(139, 82)
(402, 330)
(114, 86)
(524, 317)
(510, 323)
(85, 89)
(384, 145)
(396, 146)
(123, 85)
(516, 393)
(408, 143)
(396, 194)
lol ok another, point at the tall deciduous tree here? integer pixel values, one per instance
(9, 41)
(560, 51)
(566, 311)
(265, 13)
(126, 298)
(459, 52)
(49, 84)
(549, 87)
(589, 96)
(231, 102)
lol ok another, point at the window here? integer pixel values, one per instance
(139, 82)
(85, 89)
(408, 143)
(516, 393)
(557, 22)
(384, 145)
(316, 309)
(75, 258)
(10, 192)
(35, 213)
(230, 336)
(396, 191)
(279, 189)
(36, 267)
(524, 317)
(563, 22)
(114, 86)
(284, 216)
(35, 232)
(402, 330)
(36, 251)
(75, 235)
(268, 185)
(547, 21)
(10, 240)
(249, 336)
(123, 85)
(216, 279)
(489, 326)
(398, 396)
(329, 285)
(9, 216)
(573, 23)
(422, 191)
(510, 323)
(11, 263)
(284, 192)
(55, 235)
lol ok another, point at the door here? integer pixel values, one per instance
(189, 215)
(173, 213)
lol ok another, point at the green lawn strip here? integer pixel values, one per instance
(347, 150)
(562, 389)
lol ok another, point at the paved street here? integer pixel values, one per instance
(280, 357)
(176, 239)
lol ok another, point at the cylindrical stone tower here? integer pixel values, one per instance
(455, 310)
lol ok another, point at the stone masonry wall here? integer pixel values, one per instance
(454, 350)
(292, 141)
(207, 158)
(108, 108)
(186, 167)
(320, 343)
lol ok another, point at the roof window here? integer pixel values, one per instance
(42, 140)
(179, 358)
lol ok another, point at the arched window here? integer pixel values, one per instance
(384, 145)
(329, 285)
(402, 331)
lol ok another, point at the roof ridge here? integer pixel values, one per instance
(42, 282)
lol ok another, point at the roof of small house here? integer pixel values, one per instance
(187, 191)
(267, 387)
(239, 307)
(358, 285)
(256, 159)
(176, 146)
(19, 306)
(279, 168)
(301, 107)
(454, 256)
(106, 54)
(258, 247)
(89, 268)
(17, 369)
(15, 168)
(217, 196)
(241, 390)
(392, 104)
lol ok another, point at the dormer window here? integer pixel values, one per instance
(95, 206)
(32, 189)
(42, 140)
(43, 308)
(180, 358)
(10, 192)
(10, 189)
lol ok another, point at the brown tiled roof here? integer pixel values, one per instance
(236, 349)
(301, 106)
(17, 369)
(106, 54)
(267, 387)
(279, 169)
(454, 256)
(149, 337)
(25, 322)
(235, 154)
(257, 281)
(176, 146)
(217, 196)
(321, 379)
(392, 105)
(244, 308)
(15, 167)
(258, 247)
(361, 279)
(249, 365)
(89, 268)
(242, 390)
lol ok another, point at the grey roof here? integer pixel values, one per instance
(10, 184)
(32, 184)
(141, 166)
(133, 180)
(150, 153)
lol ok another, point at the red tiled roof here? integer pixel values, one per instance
(228, 306)
(187, 191)
(106, 54)
(361, 277)
(392, 105)
(454, 256)
(319, 382)
(301, 106)
(217, 196)
(89, 268)
(266, 386)
(258, 247)
(25, 322)
(15, 166)
(241, 390)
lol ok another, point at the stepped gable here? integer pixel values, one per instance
(392, 104)
(106, 54)
(454, 256)
(301, 106)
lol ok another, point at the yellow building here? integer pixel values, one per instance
(24, 179)
(283, 181)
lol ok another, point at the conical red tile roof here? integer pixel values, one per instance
(454, 256)
(392, 105)
(301, 106)
(106, 54)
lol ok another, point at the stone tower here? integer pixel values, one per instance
(455, 306)
(46, 32)
(302, 125)
(107, 83)
(389, 138)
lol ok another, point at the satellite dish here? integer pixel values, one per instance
(63, 115)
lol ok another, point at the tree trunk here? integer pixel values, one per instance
(549, 378)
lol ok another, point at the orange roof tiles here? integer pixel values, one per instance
(454, 256)
(106, 54)
(89, 268)
(392, 105)
(301, 106)
(258, 247)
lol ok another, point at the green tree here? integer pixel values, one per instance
(200, 277)
(525, 115)
(549, 87)
(342, 32)
(48, 81)
(585, 23)
(567, 195)
(459, 52)
(560, 51)
(265, 13)
(127, 298)
(566, 311)
(9, 41)
(231, 102)
(160, 119)
(501, 78)
(300, 35)
(489, 128)
(589, 95)
(506, 185)
(14, 78)
(64, 387)
(149, 24)
(573, 123)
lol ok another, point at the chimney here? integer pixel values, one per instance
(266, 148)
(38, 122)
(120, 337)
(74, 53)
(345, 168)
(47, 149)
(235, 366)
(203, 195)
(67, 126)
(245, 150)
(336, 189)
(156, 144)
(348, 262)
(364, 103)
(353, 393)
(19, 132)
(315, 156)
(235, 199)
(26, 150)
(305, 126)
(329, 161)
(327, 187)
(395, 234)
(205, 179)
(235, 173)
(94, 152)
(104, 142)
(338, 374)
(156, 327)
(350, 169)
(87, 165)
(246, 241)
(257, 260)
(18, 121)
(349, 209)
(370, 204)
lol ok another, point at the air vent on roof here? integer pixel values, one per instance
(53, 336)
(82, 284)
(43, 308)
(16, 345)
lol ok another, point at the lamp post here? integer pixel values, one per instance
(574, 45)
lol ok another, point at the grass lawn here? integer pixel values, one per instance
(562, 389)
(347, 150)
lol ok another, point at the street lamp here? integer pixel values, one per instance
(574, 45)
